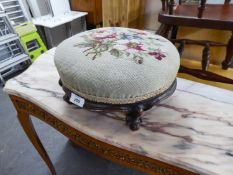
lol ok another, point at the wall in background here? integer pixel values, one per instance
(151, 14)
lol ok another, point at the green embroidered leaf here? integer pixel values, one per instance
(115, 52)
(103, 47)
(83, 45)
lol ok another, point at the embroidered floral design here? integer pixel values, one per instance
(94, 47)
(134, 45)
(125, 36)
(106, 37)
(158, 54)
(131, 44)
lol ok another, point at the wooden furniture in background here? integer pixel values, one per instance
(124, 13)
(194, 64)
(211, 16)
(93, 7)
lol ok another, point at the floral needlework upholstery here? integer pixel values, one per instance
(117, 65)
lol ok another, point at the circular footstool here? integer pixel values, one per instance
(117, 69)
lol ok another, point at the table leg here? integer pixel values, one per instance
(164, 30)
(49, 37)
(30, 131)
(69, 30)
(84, 24)
(42, 34)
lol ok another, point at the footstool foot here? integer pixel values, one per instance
(66, 98)
(60, 82)
(133, 119)
(135, 124)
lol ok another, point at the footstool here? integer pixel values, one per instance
(118, 69)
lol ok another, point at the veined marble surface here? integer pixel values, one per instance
(192, 129)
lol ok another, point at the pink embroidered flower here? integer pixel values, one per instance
(111, 36)
(136, 46)
(142, 33)
(158, 54)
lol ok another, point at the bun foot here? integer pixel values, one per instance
(133, 119)
(60, 82)
(135, 124)
(66, 98)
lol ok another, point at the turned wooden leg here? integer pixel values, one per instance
(174, 32)
(229, 53)
(201, 8)
(206, 57)
(164, 30)
(29, 129)
(181, 47)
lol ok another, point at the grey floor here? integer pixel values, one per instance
(18, 157)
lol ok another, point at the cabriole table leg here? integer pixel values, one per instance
(27, 125)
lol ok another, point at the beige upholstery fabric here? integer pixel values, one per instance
(117, 65)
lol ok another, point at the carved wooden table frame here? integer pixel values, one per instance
(26, 109)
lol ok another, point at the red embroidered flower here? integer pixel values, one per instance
(158, 54)
(136, 46)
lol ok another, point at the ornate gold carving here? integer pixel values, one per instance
(103, 149)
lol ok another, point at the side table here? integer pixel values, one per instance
(188, 134)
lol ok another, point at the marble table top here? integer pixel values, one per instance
(193, 129)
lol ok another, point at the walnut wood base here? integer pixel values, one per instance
(133, 111)
(26, 110)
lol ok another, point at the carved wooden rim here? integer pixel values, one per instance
(102, 149)
(144, 104)
(133, 111)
